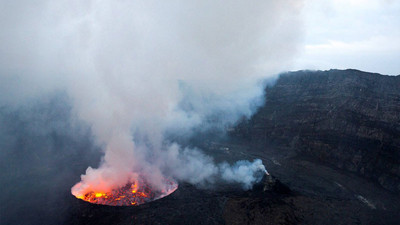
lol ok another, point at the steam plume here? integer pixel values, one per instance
(137, 69)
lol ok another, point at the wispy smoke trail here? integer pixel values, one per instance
(137, 69)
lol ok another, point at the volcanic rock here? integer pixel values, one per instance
(345, 118)
(329, 139)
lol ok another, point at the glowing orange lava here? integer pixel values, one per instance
(129, 195)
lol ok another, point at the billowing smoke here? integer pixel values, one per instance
(138, 69)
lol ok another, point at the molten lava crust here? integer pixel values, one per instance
(129, 195)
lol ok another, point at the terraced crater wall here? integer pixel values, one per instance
(346, 118)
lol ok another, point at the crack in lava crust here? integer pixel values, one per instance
(129, 195)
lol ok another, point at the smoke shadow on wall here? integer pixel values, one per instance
(42, 153)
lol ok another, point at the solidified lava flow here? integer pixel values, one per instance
(131, 194)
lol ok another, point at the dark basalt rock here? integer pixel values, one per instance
(190, 205)
(330, 141)
(345, 118)
(270, 184)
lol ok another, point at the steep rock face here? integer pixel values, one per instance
(346, 118)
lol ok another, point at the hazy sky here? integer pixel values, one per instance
(359, 34)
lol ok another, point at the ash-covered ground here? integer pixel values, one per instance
(43, 152)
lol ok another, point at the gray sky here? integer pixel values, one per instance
(359, 34)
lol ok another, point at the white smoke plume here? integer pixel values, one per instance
(137, 69)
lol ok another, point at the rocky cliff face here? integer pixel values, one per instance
(323, 115)
(346, 118)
